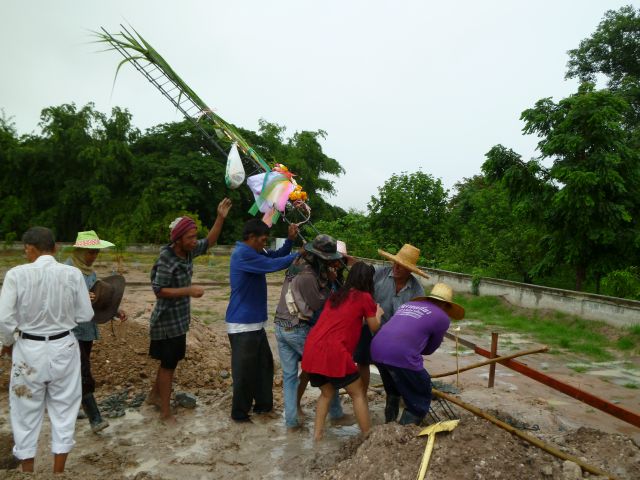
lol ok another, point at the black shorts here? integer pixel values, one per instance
(169, 351)
(362, 355)
(318, 380)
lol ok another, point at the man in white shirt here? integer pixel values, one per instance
(42, 301)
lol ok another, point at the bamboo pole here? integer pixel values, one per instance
(527, 438)
(491, 361)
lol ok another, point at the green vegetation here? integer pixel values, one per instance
(560, 331)
(578, 368)
(89, 170)
(568, 218)
(630, 339)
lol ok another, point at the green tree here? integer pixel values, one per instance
(587, 200)
(353, 228)
(613, 50)
(409, 208)
(486, 235)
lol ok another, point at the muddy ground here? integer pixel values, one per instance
(207, 444)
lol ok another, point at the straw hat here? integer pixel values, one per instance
(444, 293)
(407, 257)
(108, 293)
(90, 239)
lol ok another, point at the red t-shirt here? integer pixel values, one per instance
(329, 347)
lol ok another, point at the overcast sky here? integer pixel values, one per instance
(397, 85)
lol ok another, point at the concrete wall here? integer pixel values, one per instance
(614, 311)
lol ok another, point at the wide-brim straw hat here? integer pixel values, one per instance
(444, 293)
(407, 257)
(89, 239)
(109, 292)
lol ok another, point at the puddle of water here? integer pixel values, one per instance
(346, 431)
(142, 467)
(617, 372)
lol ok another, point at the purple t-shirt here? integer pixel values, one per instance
(416, 329)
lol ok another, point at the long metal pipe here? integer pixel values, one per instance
(527, 438)
(601, 404)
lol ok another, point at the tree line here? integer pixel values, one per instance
(90, 170)
(567, 218)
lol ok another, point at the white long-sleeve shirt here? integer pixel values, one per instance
(42, 298)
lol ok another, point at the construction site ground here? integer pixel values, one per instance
(206, 444)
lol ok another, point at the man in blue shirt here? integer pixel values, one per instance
(251, 358)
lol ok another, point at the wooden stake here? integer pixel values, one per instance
(494, 354)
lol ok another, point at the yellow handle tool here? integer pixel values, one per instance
(431, 431)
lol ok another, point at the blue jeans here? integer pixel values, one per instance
(414, 386)
(290, 347)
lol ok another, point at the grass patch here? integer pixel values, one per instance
(630, 339)
(554, 329)
(633, 386)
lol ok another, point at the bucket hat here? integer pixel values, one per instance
(89, 239)
(324, 247)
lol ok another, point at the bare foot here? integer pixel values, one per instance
(169, 421)
(302, 415)
(346, 419)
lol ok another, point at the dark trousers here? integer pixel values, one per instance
(252, 373)
(88, 383)
(414, 386)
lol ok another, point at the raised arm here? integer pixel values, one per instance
(223, 211)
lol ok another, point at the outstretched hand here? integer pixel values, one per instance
(223, 207)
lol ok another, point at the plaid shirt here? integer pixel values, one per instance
(171, 316)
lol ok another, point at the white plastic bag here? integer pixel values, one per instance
(234, 175)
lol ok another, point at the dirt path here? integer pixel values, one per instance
(207, 444)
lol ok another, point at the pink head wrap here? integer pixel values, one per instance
(183, 226)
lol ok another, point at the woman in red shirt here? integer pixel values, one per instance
(328, 350)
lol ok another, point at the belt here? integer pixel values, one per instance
(290, 328)
(38, 338)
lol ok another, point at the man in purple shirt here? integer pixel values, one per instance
(416, 329)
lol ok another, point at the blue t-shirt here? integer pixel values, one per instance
(248, 302)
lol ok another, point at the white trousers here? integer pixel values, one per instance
(45, 374)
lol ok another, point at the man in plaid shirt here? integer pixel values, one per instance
(171, 282)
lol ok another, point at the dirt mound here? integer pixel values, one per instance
(478, 449)
(120, 360)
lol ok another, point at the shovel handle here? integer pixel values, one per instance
(425, 458)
